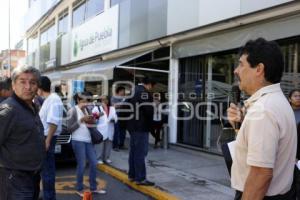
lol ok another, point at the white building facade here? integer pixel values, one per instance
(190, 47)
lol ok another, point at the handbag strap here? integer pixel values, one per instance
(85, 111)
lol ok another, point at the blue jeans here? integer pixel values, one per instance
(119, 136)
(19, 185)
(137, 154)
(48, 172)
(83, 150)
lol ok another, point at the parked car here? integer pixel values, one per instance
(63, 148)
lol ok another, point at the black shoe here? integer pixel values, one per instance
(116, 149)
(123, 148)
(131, 179)
(145, 183)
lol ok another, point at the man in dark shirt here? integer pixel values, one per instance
(139, 128)
(5, 89)
(22, 145)
(120, 127)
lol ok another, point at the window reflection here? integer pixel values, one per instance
(214, 88)
(78, 15)
(291, 75)
(94, 7)
(48, 35)
(114, 2)
(85, 10)
(63, 24)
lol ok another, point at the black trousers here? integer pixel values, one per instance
(290, 195)
(296, 182)
(155, 130)
(19, 185)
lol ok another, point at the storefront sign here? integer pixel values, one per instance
(98, 35)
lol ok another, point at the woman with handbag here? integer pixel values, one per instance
(105, 125)
(78, 122)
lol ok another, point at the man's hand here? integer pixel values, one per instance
(51, 132)
(47, 143)
(234, 114)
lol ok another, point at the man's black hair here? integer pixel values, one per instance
(119, 88)
(148, 80)
(57, 89)
(45, 84)
(267, 53)
(82, 95)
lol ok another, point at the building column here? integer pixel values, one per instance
(106, 4)
(37, 55)
(70, 14)
(53, 44)
(173, 100)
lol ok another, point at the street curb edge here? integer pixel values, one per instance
(151, 191)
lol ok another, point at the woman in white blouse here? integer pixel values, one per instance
(81, 143)
(105, 125)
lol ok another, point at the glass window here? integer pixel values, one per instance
(48, 35)
(196, 86)
(63, 24)
(291, 75)
(94, 7)
(51, 34)
(191, 89)
(78, 15)
(32, 45)
(43, 38)
(114, 2)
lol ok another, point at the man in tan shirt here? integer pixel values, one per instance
(265, 148)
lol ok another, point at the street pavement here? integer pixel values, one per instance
(186, 174)
(181, 173)
(66, 181)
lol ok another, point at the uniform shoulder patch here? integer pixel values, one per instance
(5, 109)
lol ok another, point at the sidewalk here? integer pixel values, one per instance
(186, 174)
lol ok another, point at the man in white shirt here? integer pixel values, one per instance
(51, 114)
(265, 148)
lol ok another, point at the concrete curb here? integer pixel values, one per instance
(153, 192)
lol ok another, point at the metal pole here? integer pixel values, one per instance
(165, 136)
(9, 54)
(209, 88)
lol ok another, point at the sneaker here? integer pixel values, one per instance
(116, 149)
(145, 183)
(108, 161)
(100, 162)
(99, 191)
(79, 193)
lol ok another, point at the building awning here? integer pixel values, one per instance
(99, 70)
(226, 40)
(54, 75)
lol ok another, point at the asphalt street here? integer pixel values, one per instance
(66, 181)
